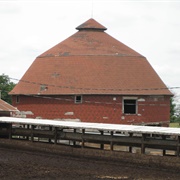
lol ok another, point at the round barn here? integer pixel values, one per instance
(93, 77)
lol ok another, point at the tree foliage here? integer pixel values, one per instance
(5, 87)
(172, 110)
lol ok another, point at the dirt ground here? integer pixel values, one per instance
(21, 164)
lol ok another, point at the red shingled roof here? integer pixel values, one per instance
(91, 62)
(4, 106)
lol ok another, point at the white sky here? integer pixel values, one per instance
(152, 28)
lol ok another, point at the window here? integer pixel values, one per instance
(17, 99)
(130, 106)
(78, 99)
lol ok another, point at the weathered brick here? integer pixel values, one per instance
(107, 111)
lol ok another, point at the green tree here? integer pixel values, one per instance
(172, 110)
(178, 113)
(5, 87)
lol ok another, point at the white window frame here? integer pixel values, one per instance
(76, 100)
(130, 98)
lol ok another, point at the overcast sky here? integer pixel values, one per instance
(152, 28)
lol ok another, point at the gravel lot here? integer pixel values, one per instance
(20, 164)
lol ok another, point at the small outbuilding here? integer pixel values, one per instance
(7, 109)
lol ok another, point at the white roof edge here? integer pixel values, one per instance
(94, 126)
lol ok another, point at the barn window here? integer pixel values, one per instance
(130, 106)
(78, 99)
(17, 99)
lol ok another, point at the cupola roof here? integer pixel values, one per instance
(91, 24)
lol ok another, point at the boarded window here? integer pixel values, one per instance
(130, 106)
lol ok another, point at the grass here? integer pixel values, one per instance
(175, 125)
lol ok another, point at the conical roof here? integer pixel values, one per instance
(91, 62)
(90, 40)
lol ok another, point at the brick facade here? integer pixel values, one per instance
(96, 108)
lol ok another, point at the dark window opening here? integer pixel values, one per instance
(17, 99)
(78, 99)
(129, 106)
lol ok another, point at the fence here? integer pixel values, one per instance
(141, 139)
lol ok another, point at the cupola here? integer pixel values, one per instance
(91, 25)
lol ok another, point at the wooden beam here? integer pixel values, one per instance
(50, 129)
(82, 138)
(74, 142)
(142, 144)
(111, 142)
(27, 137)
(164, 151)
(178, 146)
(55, 135)
(32, 133)
(102, 144)
(130, 147)
(10, 131)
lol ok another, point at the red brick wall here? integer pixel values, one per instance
(96, 108)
